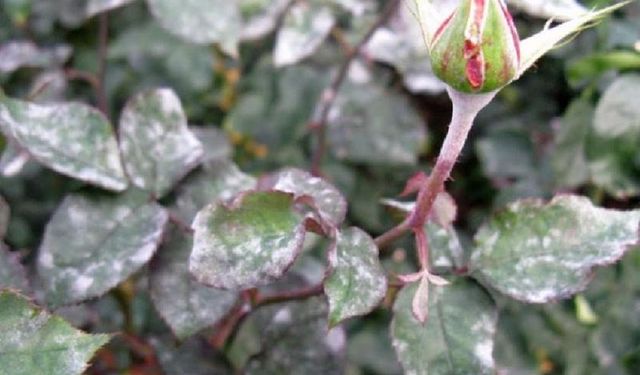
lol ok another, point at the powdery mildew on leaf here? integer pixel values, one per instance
(218, 182)
(200, 21)
(538, 252)
(92, 244)
(613, 146)
(98, 6)
(157, 147)
(248, 244)
(330, 203)
(71, 138)
(359, 128)
(12, 273)
(294, 340)
(13, 158)
(304, 28)
(356, 283)
(192, 357)
(185, 305)
(18, 54)
(33, 342)
(400, 43)
(5, 214)
(260, 17)
(216, 146)
(457, 337)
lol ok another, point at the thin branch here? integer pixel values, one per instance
(465, 109)
(90, 78)
(393, 234)
(299, 294)
(319, 119)
(180, 224)
(251, 301)
(103, 41)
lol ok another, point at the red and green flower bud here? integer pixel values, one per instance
(477, 48)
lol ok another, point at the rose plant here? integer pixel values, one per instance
(270, 244)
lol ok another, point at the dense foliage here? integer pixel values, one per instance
(199, 187)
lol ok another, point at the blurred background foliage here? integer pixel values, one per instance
(563, 128)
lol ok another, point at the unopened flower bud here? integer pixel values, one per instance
(477, 48)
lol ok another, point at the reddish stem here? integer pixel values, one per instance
(465, 109)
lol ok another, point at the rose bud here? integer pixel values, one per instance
(477, 48)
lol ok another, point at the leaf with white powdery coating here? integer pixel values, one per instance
(217, 182)
(612, 149)
(98, 6)
(248, 244)
(33, 342)
(5, 215)
(157, 146)
(457, 337)
(538, 252)
(70, 138)
(304, 28)
(92, 244)
(12, 273)
(356, 283)
(185, 305)
(327, 199)
(200, 21)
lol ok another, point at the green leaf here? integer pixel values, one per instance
(569, 158)
(13, 158)
(356, 283)
(12, 273)
(260, 17)
(327, 199)
(294, 340)
(157, 146)
(92, 244)
(613, 149)
(276, 105)
(457, 337)
(193, 357)
(507, 153)
(20, 54)
(185, 305)
(156, 55)
(5, 215)
(305, 27)
(217, 182)
(401, 44)
(200, 21)
(71, 138)
(216, 146)
(593, 66)
(32, 342)
(374, 126)
(538, 252)
(248, 244)
(98, 6)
